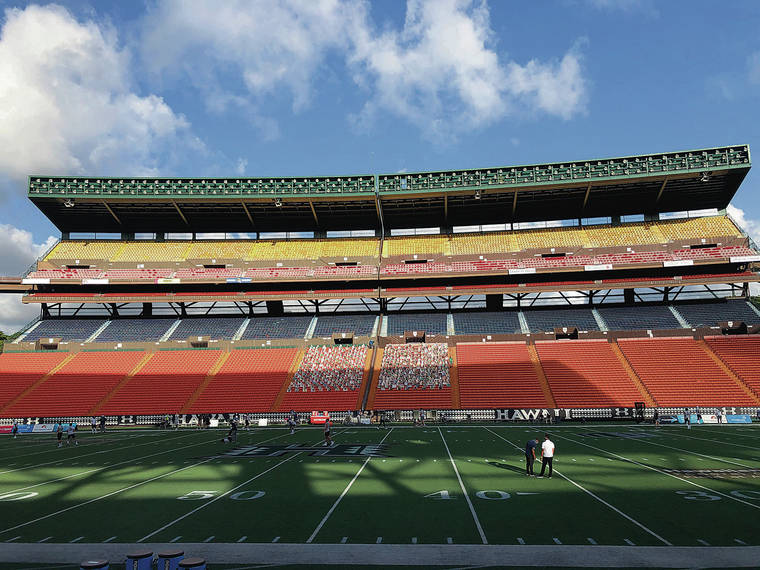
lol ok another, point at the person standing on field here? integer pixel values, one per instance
(547, 455)
(328, 425)
(530, 456)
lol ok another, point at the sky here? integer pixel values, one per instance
(327, 87)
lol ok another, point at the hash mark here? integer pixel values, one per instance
(629, 542)
(176, 538)
(591, 541)
(344, 540)
(14, 538)
(44, 539)
(379, 540)
(557, 541)
(449, 540)
(414, 540)
(77, 539)
(109, 539)
(703, 542)
(520, 540)
(736, 540)
(276, 539)
(242, 539)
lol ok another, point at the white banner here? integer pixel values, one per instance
(166, 281)
(43, 428)
(678, 263)
(745, 258)
(522, 270)
(94, 281)
(35, 281)
(602, 267)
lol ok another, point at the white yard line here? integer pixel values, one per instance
(693, 453)
(464, 491)
(61, 460)
(215, 499)
(718, 441)
(129, 462)
(343, 494)
(621, 457)
(112, 493)
(597, 497)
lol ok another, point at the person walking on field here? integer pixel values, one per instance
(547, 455)
(328, 425)
(530, 456)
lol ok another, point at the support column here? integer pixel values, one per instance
(495, 302)
(147, 310)
(275, 308)
(628, 296)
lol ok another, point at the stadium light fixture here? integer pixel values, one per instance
(69, 203)
(705, 177)
(277, 203)
(477, 194)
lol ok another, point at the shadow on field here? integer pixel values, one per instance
(506, 466)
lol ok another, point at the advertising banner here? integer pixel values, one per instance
(738, 419)
(94, 281)
(6, 429)
(42, 428)
(35, 281)
(600, 267)
(678, 263)
(25, 428)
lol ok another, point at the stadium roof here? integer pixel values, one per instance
(648, 184)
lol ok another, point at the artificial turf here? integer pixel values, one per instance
(621, 484)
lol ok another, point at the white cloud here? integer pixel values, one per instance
(19, 252)
(242, 164)
(752, 227)
(19, 249)
(440, 71)
(68, 103)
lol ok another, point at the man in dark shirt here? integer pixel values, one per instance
(530, 456)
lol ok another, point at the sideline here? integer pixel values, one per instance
(449, 555)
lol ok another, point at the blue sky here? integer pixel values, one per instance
(337, 87)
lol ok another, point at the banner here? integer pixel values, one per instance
(6, 429)
(25, 428)
(94, 281)
(166, 281)
(238, 280)
(600, 267)
(35, 281)
(522, 270)
(678, 263)
(745, 258)
(41, 428)
(738, 419)
(540, 414)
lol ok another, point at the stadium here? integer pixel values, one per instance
(440, 319)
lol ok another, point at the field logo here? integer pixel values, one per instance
(344, 450)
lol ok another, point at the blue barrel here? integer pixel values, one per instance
(94, 565)
(170, 559)
(140, 560)
(195, 563)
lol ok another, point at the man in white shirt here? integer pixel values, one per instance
(547, 455)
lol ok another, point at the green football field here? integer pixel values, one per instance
(617, 485)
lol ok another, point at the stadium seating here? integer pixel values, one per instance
(329, 377)
(312, 249)
(545, 320)
(164, 384)
(213, 327)
(20, 370)
(490, 322)
(248, 381)
(498, 375)
(276, 327)
(710, 314)
(135, 330)
(586, 374)
(74, 330)
(415, 365)
(678, 372)
(152, 252)
(75, 389)
(740, 353)
(647, 317)
(360, 325)
(70, 251)
(430, 323)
